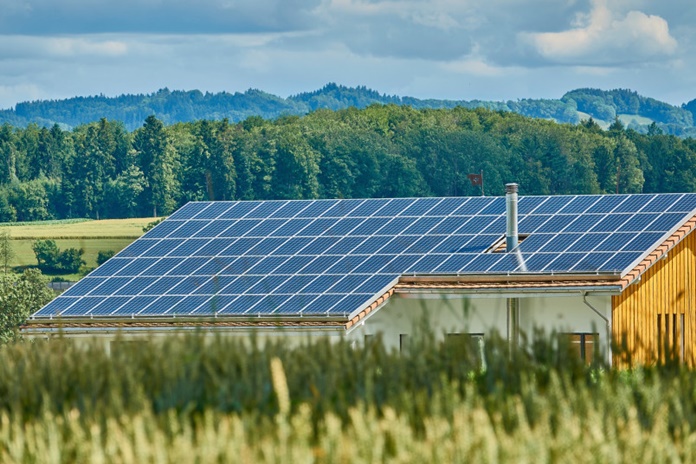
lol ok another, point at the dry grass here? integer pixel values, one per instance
(114, 228)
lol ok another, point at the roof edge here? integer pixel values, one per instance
(659, 252)
(375, 305)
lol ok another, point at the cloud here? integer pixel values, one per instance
(52, 17)
(32, 48)
(438, 30)
(600, 38)
(497, 49)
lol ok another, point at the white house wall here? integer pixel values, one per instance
(482, 314)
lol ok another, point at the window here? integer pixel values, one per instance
(404, 342)
(582, 343)
(467, 345)
(670, 336)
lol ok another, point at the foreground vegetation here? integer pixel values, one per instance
(223, 399)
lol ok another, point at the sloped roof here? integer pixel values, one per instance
(337, 258)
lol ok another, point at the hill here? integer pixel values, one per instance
(636, 111)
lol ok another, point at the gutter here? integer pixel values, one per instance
(528, 292)
(607, 321)
(58, 330)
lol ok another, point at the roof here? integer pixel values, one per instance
(277, 260)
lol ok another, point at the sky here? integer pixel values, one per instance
(448, 49)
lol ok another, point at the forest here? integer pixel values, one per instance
(173, 106)
(101, 170)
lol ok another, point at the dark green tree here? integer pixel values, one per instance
(158, 161)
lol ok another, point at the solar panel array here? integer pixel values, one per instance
(333, 257)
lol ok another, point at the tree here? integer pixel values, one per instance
(30, 200)
(70, 260)
(51, 258)
(122, 193)
(158, 162)
(104, 255)
(8, 154)
(20, 296)
(6, 252)
(47, 253)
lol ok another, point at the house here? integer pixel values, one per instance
(594, 267)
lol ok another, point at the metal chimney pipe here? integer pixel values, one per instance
(511, 216)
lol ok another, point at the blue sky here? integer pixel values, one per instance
(454, 49)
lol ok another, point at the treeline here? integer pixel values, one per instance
(176, 106)
(101, 170)
(607, 105)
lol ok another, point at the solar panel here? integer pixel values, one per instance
(420, 207)
(188, 229)
(606, 204)
(215, 228)
(214, 210)
(288, 210)
(579, 204)
(109, 305)
(134, 305)
(240, 209)
(189, 210)
(686, 204)
(264, 209)
(186, 286)
(553, 205)
(529, 224)
(633, 203)
(665, 222)
(316, 209)
(556, 224)
(447, 206)
(368, 208)
(135, 286)
(333, 257)
(163, 230)
(528, 204)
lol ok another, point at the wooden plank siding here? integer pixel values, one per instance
(655, 318)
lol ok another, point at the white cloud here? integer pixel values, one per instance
(602, 38)
(11, 94)
(65, 46)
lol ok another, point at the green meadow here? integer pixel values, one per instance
(90, 235)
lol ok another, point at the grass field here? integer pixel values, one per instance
(92, 236)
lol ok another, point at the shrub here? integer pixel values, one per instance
(152, 224)
(51, 259)
(70, 260)
(104, 255)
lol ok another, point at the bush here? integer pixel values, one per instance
(152, 224)
(70, 260)
(51, 259)
(104, 255)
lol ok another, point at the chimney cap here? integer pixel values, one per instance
(511, 188)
